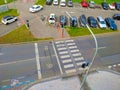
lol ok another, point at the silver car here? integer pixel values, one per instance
(101, 22)
(8, 19)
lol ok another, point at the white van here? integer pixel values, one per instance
(63, 3)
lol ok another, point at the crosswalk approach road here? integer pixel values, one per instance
(70, 57)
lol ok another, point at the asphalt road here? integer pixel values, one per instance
(19, 61)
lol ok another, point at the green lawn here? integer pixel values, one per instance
(75, 31)
(3, 1)
(41, 2)
(9, 12)
(18, 35)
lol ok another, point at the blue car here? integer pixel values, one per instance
(73, 21)
(63, 20)
(111, 23)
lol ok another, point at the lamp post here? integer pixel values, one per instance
(96, 50)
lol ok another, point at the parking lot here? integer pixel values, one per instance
(41, 28)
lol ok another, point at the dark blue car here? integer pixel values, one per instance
(63, 20)
(73, 21)
(105, 5)
(117, 5)
(111, 23)
(83, 20)
(92, 22)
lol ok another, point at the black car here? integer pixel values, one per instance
(117, 5)
(73, 21)
(49, 2)
(116, 16)
(92, 21)
(111, 23)
(70, 3)
(83, 20)
(63, 20)
(105, 5)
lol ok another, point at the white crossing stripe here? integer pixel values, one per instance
(118, 64)
(70, 71)
(64, 48)
(80, 63)
(79, 59)
(109, 66)
(60, 45)
(58, 42)
(72, 47)
(69, 41)
(65, 56)
(68, 66)
(63, 52)
(70, 44)
(77, 54)
(76, 50)
(66, 61)
(114, 65)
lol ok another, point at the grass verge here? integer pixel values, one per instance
(9, 12)
(75, 31)
(18, 35)
(41, 2)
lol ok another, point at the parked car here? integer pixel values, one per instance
(105, 5)
(101, 22)
(63, 3)
(117, 5)
(73, 21)
(55, 2)
(52, 18)
(111, 23)
(91, 4)
(84, 4)
(70, 3)
(83, 20)
(8, 19)
(92, 21)
(49, 2)
(116, 16)
(112, 6)
(35, 8)
(63, 20)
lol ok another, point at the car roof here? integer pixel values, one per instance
(100, 18)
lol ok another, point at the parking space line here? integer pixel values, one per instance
(37, 61)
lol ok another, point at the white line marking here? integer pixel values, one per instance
(63, 52)
(69, 41)
(68, 66)
(62, 48)
(118, 64)
(60, 45)
(109, 67)
(66, 61)
(65, 56)
(58, 42)
(114, 65)
(68, 14)
(57, 58)
(70, 71)
(79, 59)
(80, 63)
(76, 54)
(17, 61)
(75, 50)
(101, 47)
(37, 61)
(70, 44)
(72, 47)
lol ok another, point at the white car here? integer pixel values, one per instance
(52, 18)
(101, 22)
(35, 8)
(112, 6)
(63, 3)
(9, 19)
(55, 2)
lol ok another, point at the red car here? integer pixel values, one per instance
(84, 3)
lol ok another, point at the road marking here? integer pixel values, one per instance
(69, 41)
(67, 61)
(101, 47)
(70, 71)
(68, 14)
(114, 65)
(65, 56)
(58, 42)
(109, 67)
(57, 58)
(62, 48)
(68, 66)
(17, 61)
(75, 50)
(37, 61)
(80, 63)
(76, 54)
(72, 47)
(118, 64)
(69, 44)
(63, 52)
(60, 45)
(79, 59)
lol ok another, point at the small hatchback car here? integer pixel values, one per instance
(35, 8)
(52, 18)
(8, 19)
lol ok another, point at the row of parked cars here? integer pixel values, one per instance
(83, 20)
(63, 3)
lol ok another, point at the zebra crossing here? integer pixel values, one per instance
(69, 55)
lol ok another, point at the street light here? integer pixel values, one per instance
(96, 50)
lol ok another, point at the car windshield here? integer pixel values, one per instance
(52, 19)
(102, 22)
